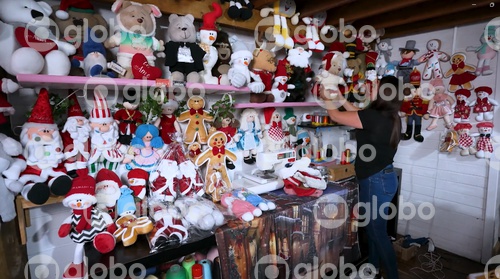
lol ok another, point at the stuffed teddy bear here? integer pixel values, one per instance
(313, 24)
(196, 117)
(440, 106)
(465, 141)
(282, 10)
(199, 213)
(484, 106)
(461, 74)
(414, 107)
(302, 180)
(254, 199)
(23, 52)
(242, 209)
(431, 58)
(86, 223)
(217, 180)
(239, 9)
(484, 144)
(462, 107)
(384, 48)
(263, 64)
(136, 38)
(249, 135)
(274, 137)
(10, 168)
(224, 51)
(208, 36)
(239, 74)
(184, 56)
(299, 72)
(485, 54)
(334, 63)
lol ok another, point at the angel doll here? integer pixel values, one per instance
(249, 135)
(170, 129)
(440, 106)
(146, 148)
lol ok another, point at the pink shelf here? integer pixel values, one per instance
(78, 82)
(277, 105)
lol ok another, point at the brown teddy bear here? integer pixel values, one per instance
(196, 118)
(461, 73)
(264, 65)
(216, 178)
(334, 64)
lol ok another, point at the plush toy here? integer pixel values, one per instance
(137, 181)
(194, 150)
(431, 58)
(125, 205)
(164, 181)
(281, 88)
(274, 137)
(484, 144)
(106, 150)
(76, 138)
(228, 124)
(462, 107)
(484, 105)
(44, 154)
(302, 180)
(217, 180)
(254, 199)
(299, 73)
(94, 61)
(407, 63)
(170, 129)
(196, 117)
(239, 74)
(6, 110)
(303, 143)
(440, 106)
(239, 9)
(23, 51)
(146, 147)
(169, 226)
(290, 129)
(136, 37)
(127, 118)
(313, 24)
(208, 35)
(334, 63)
(240, 208)
(86, 223)
(485, 54)
(263, 64)
(414, 107)
(461, 74)
(199, 213)
(184, 55)
(282, 10)
(129, 227)
(465, 141)
(8, 86)
(249, 135)
(224, 51)
(448, 141)
(10, 169)
(107, 191)
(384, 48)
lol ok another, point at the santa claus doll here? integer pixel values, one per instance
(107, 191)
(106, 150)
(86, 223)
(75, 137)
(43, 151)
(299, 72)
(170, 228)
(274, 136)
(302, 180)
(128, 118)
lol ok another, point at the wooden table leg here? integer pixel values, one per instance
(21, 219)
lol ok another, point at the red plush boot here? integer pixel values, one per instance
(104, 242)
(75, 271)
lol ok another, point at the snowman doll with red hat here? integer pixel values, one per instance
(280, 86)
(66, 5)
(75, 137)
(465, 141)
(86, 223)
(484, 105)
(462, 108)
(43, 151)
(239, 74)
(274, 137)
(208, 35)
(137, 181)
(107, 191)
(484, 144)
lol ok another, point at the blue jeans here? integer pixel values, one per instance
(379, 188)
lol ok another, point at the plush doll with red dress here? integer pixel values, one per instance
(484, 106)
(302, 180)
(484, 145)
(128, 118)
(170, 129)
(274, 137)
(465, 140)
(461, 74)
(462, 107)
(86, 223)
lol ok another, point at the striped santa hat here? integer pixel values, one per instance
(101, 112)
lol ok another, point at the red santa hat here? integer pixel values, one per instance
(485, 125)
(81, 5)
(41, 115)
(461, 126)
(327, 60)
(108, 177)
(280, 70)
(210, 18)
(137, 177)
(268, 114)
(82, 188)
(337, 46)
(462, 91)
(484, 89)
(74, 109)
(100, 113)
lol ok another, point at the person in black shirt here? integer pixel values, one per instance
(378, 132)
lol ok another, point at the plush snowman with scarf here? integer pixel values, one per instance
(208, 35)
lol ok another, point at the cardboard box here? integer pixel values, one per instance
(340, 172)
(404, 253)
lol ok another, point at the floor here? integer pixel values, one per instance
(13, 260)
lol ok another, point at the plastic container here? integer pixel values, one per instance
(188, 263)
(207, 269)
(197, 271)
(176, 272)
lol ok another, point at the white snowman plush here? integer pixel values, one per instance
(484, 105)
(208, 35)
(484, 141)
(239, 74)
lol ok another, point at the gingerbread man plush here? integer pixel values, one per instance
(216, 178)
(196, 117)
(461, 74)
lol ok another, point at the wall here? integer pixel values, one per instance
(456, 186)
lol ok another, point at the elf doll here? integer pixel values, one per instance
(86, 223)
(273, 132)
(462, 107)
(43, 152)
(75, 136)
(170, 129)
(249, 135)
(106, 150)
(128, 118)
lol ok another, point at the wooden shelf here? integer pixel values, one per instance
(277, 105)
(85, 83)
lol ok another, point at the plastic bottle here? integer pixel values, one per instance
(176, 272)
(188, 263)
(197, 271)
(207, 269)
(216, 270)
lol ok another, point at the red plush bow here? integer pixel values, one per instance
(194, 111)
(216, 150)
(460, 65)
(276, 124)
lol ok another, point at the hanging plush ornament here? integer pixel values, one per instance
(465, 141)
(485, 53)
(282, 11)
(484, 144)
(462, 107)
(432, 59)
(461, 74)
(196, 117)
(484, 105)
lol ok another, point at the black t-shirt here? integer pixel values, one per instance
(374, 151)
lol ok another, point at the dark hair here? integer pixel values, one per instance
(388, 102)
(235, 123)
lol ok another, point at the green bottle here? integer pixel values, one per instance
(188, 263)
(176, 272)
